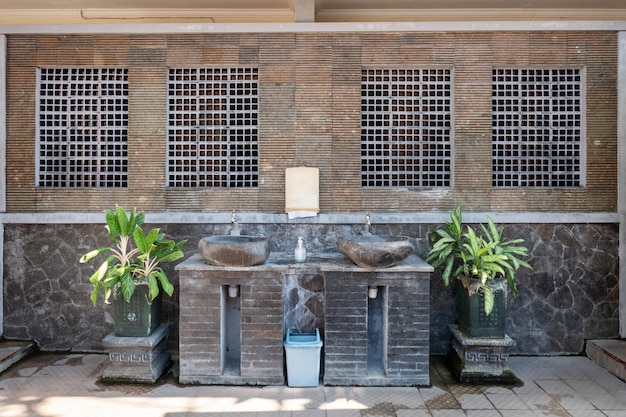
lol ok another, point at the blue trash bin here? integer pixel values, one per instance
(303, 358)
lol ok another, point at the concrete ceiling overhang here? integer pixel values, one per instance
(280, 11)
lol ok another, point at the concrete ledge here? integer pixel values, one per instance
(12, 352)
(230, 380)
(420, 380)
(609, 354)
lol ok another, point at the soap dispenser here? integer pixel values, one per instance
(300, 252)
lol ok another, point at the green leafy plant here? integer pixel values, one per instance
(134, 257)
(477, 260)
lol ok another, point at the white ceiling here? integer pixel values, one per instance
(76, 11)
(326, 5)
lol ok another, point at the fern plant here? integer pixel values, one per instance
(477, 260)
(134, 257)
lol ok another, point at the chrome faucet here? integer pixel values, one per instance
(234, 225)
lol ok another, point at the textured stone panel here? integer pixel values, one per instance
(570, 296)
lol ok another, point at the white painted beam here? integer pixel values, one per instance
(314, 27)
(430, 217)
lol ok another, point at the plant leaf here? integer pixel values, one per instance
(489, 299)
(94, 294)
(446, 272)
(112, 224)
(173, 256)
(122, 221)
(153, 285)
(100, 273)
(166, 285)
(140, 218)
(127, 284)
(140, 239)
(92, 254)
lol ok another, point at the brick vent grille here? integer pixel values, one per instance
(537, 127)
(82, 130)
(213, 127)
(406, 128)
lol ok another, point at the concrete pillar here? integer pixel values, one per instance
(3, 165)
(621, 180)
(304, 10)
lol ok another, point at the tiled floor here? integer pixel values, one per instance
(53, 385)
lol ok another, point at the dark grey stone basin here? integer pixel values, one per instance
(227, 250)
(372, 251)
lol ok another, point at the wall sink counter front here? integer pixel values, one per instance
(381, 341)
(208, 323)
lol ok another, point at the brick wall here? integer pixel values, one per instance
(310, 115)
(406, 328)
(201, 328)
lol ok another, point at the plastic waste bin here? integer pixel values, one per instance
(303, 358)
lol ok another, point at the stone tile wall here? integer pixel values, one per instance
(570, 296)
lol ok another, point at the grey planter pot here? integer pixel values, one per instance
(471, 314)
(139, 317)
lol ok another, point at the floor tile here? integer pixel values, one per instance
(443, 401)
(539, 401)
(474, 402)
(342, 413)
(585, 386)
(572, 402)
(413, 413)
(508, 401)
(586, 413)
(519, 413)
(615, 413)
(555, 386)
(448, 413)
(482, 413)
(607, 401)
(69, 384)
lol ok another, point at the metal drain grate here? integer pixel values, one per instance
(213, 127)
(537, 126)
(406, 135)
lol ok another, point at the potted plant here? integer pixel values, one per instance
(132, 274)
(482, 266)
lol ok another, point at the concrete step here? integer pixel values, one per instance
(12, 352)
(610, 354)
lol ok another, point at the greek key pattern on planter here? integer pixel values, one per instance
(129, 357)
(493, 357)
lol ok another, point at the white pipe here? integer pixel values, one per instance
(233, 291)
(372, 292)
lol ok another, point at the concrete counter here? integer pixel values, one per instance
(369, 341)
(280, 261)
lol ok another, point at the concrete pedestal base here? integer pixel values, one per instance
(137, 359)
(480, 360)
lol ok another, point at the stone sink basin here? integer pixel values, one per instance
(227, 250)
(372, 251)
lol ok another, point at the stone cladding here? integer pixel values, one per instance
(569, 297)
